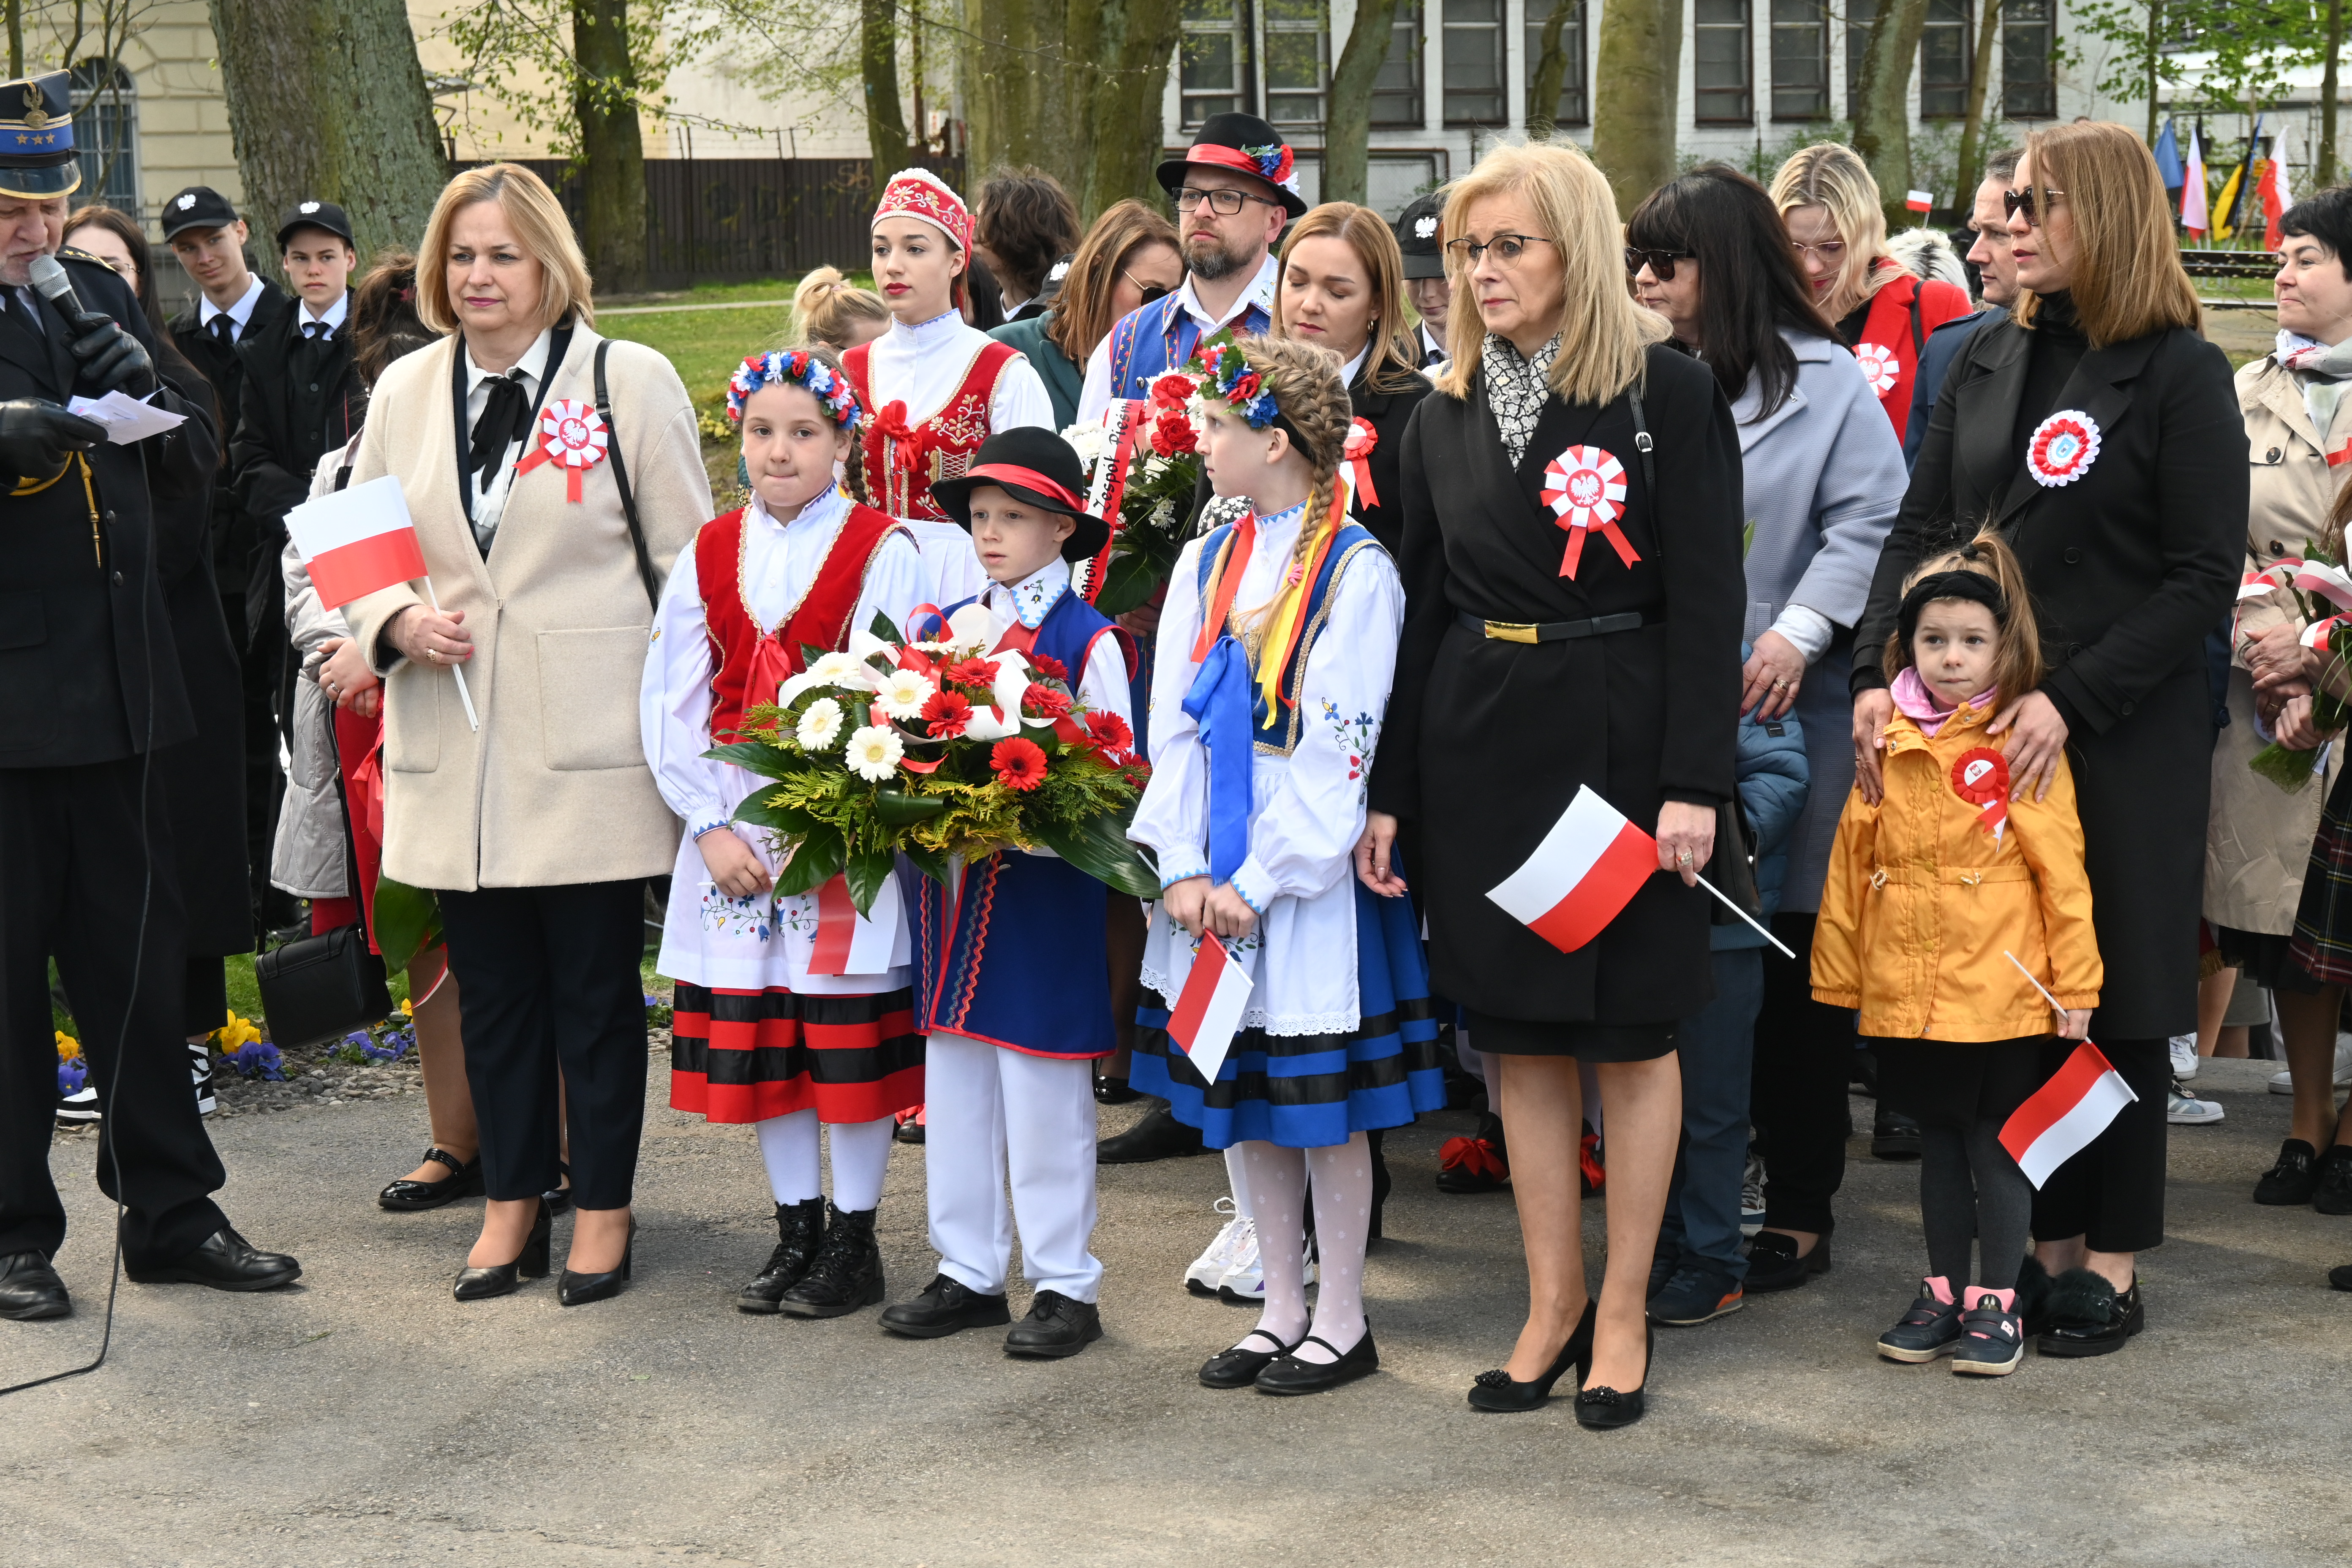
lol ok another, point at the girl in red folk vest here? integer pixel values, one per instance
(1884, 311)
(791, 1011)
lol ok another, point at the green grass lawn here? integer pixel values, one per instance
(706, 345)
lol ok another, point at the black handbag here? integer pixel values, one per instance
(325, 986)
(1732, 868)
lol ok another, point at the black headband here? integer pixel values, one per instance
(1973, 585)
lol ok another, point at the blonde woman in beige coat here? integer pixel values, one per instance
(538, 830)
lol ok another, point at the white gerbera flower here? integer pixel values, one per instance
(874, 752)
(843, 670)
(820, 725)
(903, 693)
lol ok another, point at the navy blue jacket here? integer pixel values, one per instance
(1943, 346)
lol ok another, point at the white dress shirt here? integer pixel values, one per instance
(1096, 397)
(490, 500)
(922, 366)
(240, 315)
(333, 315)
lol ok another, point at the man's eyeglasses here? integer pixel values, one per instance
(1225, 202)
(1507, 248)
(1832, 252)
(2016, 202)
(1660, 263)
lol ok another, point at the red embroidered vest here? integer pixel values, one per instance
(902, 460)
(747, 666)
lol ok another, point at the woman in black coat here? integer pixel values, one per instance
(1517, 684)
(2101, 434)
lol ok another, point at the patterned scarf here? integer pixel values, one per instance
(2321, 372)
(1517, 390)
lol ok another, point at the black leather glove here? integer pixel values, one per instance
(110, 357)
(36, 434)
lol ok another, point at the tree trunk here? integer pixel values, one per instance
(325, 99)
(1882, 119)
(1032, 70)
(1552, 74)
(2325, 174)
(1638, 73)
(612, 150)
(16, 37)
(1348, 126)
(886, 121)
(1970, 172)
(1139, 39)
(2155, 55)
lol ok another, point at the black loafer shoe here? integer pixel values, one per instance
(1055, 1326)
(1773, 1264)
(2294, 1179)
(945, 1307)
(2334, 1193)
(30, 1289)
(1239, 1367)
(1115, 1092)
(1159, 1136)
(908, 1131)
(1288, 1375)
(1892, 1135)
(225, 1261)
(2340, 1277)
(464, 1181)
(2088, 1316)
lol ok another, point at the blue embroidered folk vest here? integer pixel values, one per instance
(1278, 730)
(1152, 340)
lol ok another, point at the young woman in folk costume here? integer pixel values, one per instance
(1276, 647)
(791, 1011)
(934, 387)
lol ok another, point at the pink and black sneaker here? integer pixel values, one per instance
(1993, 1335)
(1931, 1327)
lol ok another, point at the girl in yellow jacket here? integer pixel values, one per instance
(1930, 891)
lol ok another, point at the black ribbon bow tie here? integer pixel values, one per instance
(504, 420)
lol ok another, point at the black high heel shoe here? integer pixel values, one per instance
(506, 1279)
(579, 1289)
(1498, 1391)
(1601, 1408)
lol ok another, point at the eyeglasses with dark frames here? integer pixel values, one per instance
(1660, 263)
(1224, 200)
(2016, 202)
(1507, 248)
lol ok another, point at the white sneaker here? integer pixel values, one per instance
(2184, 1057)
(2283, 1083)
(2186, 1109)
(1244, 1283)
(1751, 1195)
(1208, 1270)
(200, 1069)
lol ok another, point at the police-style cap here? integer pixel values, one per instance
(317, 215)
(198, 206)
(1416, 236)
(37, 144)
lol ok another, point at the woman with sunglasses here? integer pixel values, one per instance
(1837, 228)
(2101, 433)
(1127, 260)
(1823, 478)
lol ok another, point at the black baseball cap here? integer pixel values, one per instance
(198, 206)
(1416, 236)
(317, 215)
(1035, 467)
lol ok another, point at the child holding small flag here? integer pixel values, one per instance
(1930, 891)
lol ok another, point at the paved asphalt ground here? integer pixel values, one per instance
(364, 1418)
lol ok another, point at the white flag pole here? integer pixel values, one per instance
(1743, 914)
(463, 695)
(2035, 983)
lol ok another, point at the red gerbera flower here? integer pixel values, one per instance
(1020, 763)
(1044, 701)
(1109, 734)
(1047, 665)
(947, 713)
(981, 672)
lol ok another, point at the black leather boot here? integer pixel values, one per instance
(847, 1273)
(800, 1232)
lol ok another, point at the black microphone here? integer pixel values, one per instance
(56, 286)
(110, 357)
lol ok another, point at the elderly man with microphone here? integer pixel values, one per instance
(89, 690)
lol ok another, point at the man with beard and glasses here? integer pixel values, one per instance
(1234, 191)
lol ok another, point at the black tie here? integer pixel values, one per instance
(316, 330)
(504, 420)
(225, 330)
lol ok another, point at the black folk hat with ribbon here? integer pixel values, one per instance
(36, 143)
(1037, 468)
(1241, 144)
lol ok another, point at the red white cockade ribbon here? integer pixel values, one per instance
(1585, 488)
(573, 436)
(1981, 777)
(1358, 454)
(1879, 365)
(2063, 447)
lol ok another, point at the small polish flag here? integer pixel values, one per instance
(1919, 201)
(1586, 868)
(1208, 1011)
(847, 944)
(356, 542)
(2065, 1113)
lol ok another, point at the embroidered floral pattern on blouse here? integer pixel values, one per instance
(797, 915)
(750, 917)
(1356, 738)
(1517, 390)
(1035, 595)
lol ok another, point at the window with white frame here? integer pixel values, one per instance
(2029, 87)
(1944, 60)
(1720, 63)
(1213, 74)
(1298, 61)
(1474, 63)
(1801, 60)
(1396, 91)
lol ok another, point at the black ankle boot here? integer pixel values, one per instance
(847, 1273)
(800, 1232)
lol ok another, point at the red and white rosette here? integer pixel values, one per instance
(1358, 454)
(573, 437)
(1879, 365)
(1981, 777)
(2063, 447)
(1585, 488)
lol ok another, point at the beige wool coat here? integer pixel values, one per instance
(2258, 840)
(555, 789)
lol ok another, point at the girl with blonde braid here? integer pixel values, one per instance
(1275, 649)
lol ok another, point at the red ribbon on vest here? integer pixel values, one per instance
(1981, 777)
(1358, 454)
(904, 441)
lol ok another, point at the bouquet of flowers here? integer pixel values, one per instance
(1146, 470)
(933, 749)
(2323, 593)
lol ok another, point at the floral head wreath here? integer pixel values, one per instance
(801, 368)
(1226, 378)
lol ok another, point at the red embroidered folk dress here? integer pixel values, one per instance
(904, 454)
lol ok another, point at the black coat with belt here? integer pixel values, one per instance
(232, 542)
(1488, 740)
(299, 400)
(2131, 565)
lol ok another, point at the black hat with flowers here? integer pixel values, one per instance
(1242, 145)
(1036, 467)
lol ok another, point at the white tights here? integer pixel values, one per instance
(861, 1153)
(1275, 1179)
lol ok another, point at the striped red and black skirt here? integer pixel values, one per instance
(746, 1056)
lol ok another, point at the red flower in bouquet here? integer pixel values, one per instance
(1044, 701)
(1019, 764)
(1171, 434)
(1047, 665)
(1108, 733)
(1172, 390)
(980, 672)
(947, 713)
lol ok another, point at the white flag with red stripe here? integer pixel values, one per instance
(356, 542)
(1208, 1011)
(850, 943)
(2065, 1113)
(1588, 868)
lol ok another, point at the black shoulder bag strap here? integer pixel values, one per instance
(1918, 335)
(621, 477)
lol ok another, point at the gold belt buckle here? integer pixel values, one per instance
(1510, 631)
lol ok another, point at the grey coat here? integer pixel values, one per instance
(1824, 477)
(308, 858)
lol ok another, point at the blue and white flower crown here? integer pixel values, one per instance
(1226, 378)
(801, 368)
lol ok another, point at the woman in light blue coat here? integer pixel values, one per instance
(1824, 480)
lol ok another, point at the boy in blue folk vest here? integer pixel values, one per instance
(1011, 986)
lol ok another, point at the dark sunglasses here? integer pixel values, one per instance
(1661, 262)
(2017, 201)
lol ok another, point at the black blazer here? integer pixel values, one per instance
(231, 544)
(77, 683)
(293, 408)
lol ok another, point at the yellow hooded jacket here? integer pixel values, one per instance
(1922, 903)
